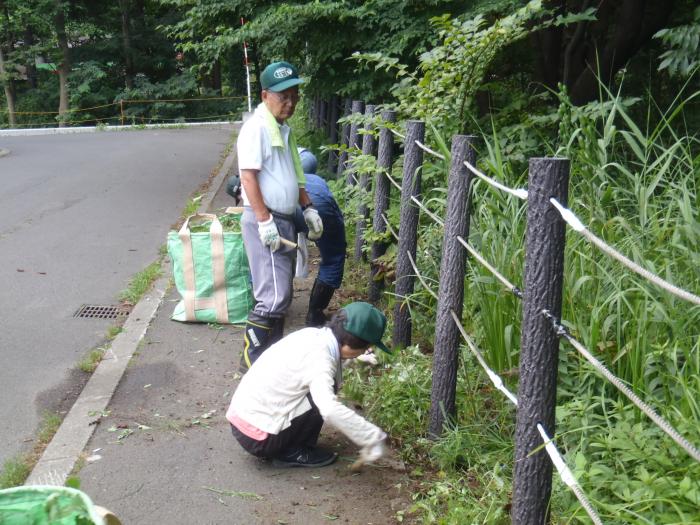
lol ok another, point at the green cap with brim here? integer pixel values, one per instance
(279, 76)
(367, 323)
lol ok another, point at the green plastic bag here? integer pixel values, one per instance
(47, 505)
(211, 272)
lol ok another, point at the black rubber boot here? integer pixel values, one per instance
(256, 339)
(321, 295)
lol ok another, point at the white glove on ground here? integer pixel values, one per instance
(269, 235)
(314, 222)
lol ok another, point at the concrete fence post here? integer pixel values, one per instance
(451, 286)
(369, 145)
(408, 230)
(539, 344)
(382, 188)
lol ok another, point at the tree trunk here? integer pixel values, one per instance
(216, 76)
(32, 76)
(124, 6)
(64, 67)
(139, 19)
(7, 81)
(592, 52)
(8, 84)
(548, 45)
(622, 29)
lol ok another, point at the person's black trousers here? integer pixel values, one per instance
(303, 432)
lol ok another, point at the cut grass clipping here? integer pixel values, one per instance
(140, 283)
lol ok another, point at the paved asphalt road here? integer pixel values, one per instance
(79, 215)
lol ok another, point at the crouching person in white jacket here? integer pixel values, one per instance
(282, 402)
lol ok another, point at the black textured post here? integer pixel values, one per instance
(344, 138)
(331, 121)
(322, 114)
(353, 141)
(382, 187)
(333, 134)
(451, 288)
(369, 144)
(316, 111)
(408, 230)
(539, 345)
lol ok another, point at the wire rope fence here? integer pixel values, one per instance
(536, 456)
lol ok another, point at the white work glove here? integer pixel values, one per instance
(368, 358)
(314, 222)
(371, 453)
(269, 235)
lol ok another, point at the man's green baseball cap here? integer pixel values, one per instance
(279, 76)
(366, 322)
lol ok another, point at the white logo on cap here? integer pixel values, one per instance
(282, 72)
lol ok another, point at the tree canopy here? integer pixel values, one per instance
(68, 55)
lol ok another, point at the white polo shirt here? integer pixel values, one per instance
(277, 178)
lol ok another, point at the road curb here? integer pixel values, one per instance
(62, 453)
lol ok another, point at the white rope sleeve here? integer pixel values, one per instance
(493, 376)
(516, 291)
(566, 475)
(426, 210)
(391, 179)
(420, 277)
(388, 226)
(430, 151)
(617, 382)
(519, 193)
(397, 133)
(573, 221)
(418, 203)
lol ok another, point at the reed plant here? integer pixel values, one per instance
(635, 186)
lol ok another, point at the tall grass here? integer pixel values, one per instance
(635, 186)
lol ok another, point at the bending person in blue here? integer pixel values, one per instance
(332, 243)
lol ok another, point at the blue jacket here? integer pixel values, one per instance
(332, 244)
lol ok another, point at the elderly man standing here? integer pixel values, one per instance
(273, 184)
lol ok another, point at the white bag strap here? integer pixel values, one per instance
(218, 268)
(302, 266)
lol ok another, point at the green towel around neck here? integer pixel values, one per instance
(273, 129)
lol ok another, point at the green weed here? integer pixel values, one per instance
(114, 331)
(192, 206)
(17, 469)
(14, 471)
(89, 362)
(141, 283)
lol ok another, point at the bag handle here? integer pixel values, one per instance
(216, 233)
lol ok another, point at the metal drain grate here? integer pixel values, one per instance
(92, 311)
